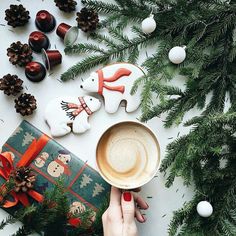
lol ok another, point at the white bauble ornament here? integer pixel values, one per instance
(148, 25)
(177, 55)
(204, 209)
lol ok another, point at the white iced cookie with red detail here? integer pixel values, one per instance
(114, 82)
(66, 113)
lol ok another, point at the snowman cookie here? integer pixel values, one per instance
(66, 113)
(41, 159)
(114, 82)
(60, 166)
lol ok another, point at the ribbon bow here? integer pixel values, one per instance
(7, 167)
(119, 73)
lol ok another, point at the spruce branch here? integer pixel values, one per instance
(114, 52)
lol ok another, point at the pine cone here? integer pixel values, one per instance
(87, 19)
(19, 54)
(66, 5)
(11, 84)
(24, 179)
(17, 15)
(25, 104)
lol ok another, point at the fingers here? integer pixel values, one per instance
(115, 197)
(128, 208)
(140, 202)
(114, 213)
(140, 218)
(136, 189)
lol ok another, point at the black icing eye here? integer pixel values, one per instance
(91, 99)
(92, 79)
(67, 161)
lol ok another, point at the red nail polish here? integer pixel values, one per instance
(127, 196)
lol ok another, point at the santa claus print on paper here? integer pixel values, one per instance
(60, 166)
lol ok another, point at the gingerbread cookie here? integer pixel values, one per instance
(66, 113)
(114, 82)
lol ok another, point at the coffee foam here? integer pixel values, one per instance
(128, 155)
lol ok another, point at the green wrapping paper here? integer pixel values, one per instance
(85, 187)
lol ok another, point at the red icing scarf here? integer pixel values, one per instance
(119, 73)
(77, 108)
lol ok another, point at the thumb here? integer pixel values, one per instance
(128, 208)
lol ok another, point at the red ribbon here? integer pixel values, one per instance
(7, 167)
(119, 73)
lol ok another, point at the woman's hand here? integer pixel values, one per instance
(119, 218)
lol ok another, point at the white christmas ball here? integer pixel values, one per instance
(148, 25)
(204, 209)
(177, 55)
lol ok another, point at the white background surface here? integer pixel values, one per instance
(162, 201)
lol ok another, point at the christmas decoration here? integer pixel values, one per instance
(35, 71)
(210, 69)
(87, 19)
(66, 209)
(67, 33)
(204, 209)
(45, 21)
(17, 15)
(148, 25)
(24, 179)
(25, 104)
(11, 84)
(177, 55)
(66, 5)
(38, 41)
(19, 54)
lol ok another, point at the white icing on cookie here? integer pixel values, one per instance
(114, 82)
(70, 110)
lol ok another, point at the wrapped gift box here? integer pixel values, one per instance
(85, 187)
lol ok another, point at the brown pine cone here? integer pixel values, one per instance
(25, 104)
(11, 84)
(17, 15)
(24, 179)
(19, 54)
(87, 19)
(66, 5)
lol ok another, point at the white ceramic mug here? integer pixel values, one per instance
(128, 155)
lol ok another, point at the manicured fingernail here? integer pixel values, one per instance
(127, 196)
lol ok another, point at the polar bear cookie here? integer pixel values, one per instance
(114, 82)
(70, 113)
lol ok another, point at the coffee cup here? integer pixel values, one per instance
(128, 155)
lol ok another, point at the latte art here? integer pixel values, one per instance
(128, 155)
